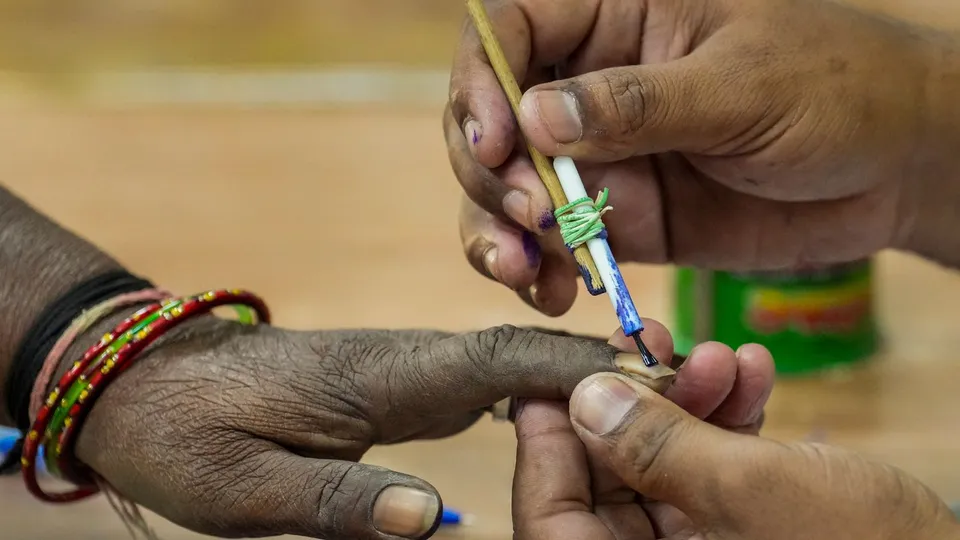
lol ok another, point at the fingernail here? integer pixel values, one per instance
(657, 378)
(560, 114)
(473, 131)
(491, 263)
(602, 405)
(516, 204)
(405, 512)
(532, 291)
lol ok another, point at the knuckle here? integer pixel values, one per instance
(500, 344)
(340, 488)
(631, 102)
(222, 499)
(489, 351)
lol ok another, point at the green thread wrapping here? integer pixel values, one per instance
(582, 220)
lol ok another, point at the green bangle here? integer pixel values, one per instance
(59, 419)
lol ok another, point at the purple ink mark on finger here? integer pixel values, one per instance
(531, 249)
(476, 136)
(547, 221)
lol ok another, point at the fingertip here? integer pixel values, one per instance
(533, 125)
(491, 262)
(706, 379)
(473, 132)
(553, 293)
(493, 141)
(517, 259)
(437, 521)
(655, 336)
(601, 401)
(498, 250)
(604, 379)
(755, 377)
(529, 203)
(407, 511)
(713, 353)
(757, 359)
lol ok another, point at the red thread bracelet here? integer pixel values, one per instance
(103, 373)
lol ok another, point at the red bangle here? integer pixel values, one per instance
(80, 325)
(104, 372)
(32, 441)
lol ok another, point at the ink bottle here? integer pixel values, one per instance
(811, 319)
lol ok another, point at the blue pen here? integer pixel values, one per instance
(451, 517)
(7, 442)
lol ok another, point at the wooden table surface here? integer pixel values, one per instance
(257, 198)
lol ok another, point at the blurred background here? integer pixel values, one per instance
(250, 131)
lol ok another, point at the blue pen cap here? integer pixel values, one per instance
(450, 517)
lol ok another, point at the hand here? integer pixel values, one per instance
(747, 134)
(696, 481)
(237, 432)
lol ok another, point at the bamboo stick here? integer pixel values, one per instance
(481, 21)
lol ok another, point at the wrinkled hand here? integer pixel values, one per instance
(633, 466)
(733, 134)
(237, 432)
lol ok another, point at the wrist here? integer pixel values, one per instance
(40, 262)
(191, 336)
(932, 192)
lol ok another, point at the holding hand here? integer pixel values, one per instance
(632, 465)
(237, 431)
(735, 135)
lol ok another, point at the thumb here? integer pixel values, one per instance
(692, 104)
(334, 500)
(661, 451)
(744, 486)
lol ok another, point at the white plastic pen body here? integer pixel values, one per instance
(600, 251)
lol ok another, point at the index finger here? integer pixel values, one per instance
(534, 34)
(470, 371)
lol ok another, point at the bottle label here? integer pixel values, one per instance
(808, 319)
(835, 310)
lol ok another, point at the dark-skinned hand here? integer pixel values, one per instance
(625, 464)
(238, 432)
(733, 134)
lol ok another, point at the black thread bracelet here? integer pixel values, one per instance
(43, 335)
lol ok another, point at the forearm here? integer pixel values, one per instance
(39, 261)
